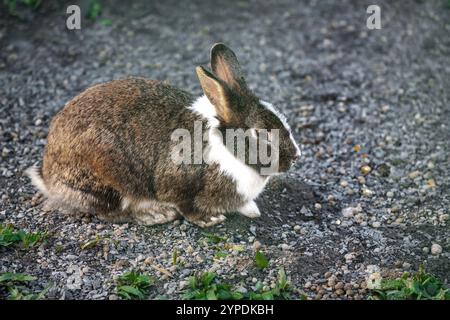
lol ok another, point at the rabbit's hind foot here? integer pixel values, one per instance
(151, 212)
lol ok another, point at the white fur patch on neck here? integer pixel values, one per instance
(206, 110)
(283, 120)
(249, 183)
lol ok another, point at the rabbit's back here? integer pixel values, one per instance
(124, 106)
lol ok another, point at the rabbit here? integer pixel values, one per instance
(108, 151)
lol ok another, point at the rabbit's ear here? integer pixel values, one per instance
(225, 66)
(217, 93)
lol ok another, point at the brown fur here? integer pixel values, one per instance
(105, 146)
(108, 152)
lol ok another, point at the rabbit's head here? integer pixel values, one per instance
(237, 108)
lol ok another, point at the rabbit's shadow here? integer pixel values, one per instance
(286, 200)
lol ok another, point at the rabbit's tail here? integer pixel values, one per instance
(35, 174)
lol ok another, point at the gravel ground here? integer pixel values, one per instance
(369, 108)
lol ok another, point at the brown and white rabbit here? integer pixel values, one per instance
(109, 150)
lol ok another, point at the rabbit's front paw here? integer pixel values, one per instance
(207, 221)
(250, 210)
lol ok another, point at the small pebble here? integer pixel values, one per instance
(361, 180)
(256, 245)
(367, 192)
(365, 170)
(414, 174)
(339, 285)
(436, 249)
(385, 108)
(347, 212)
